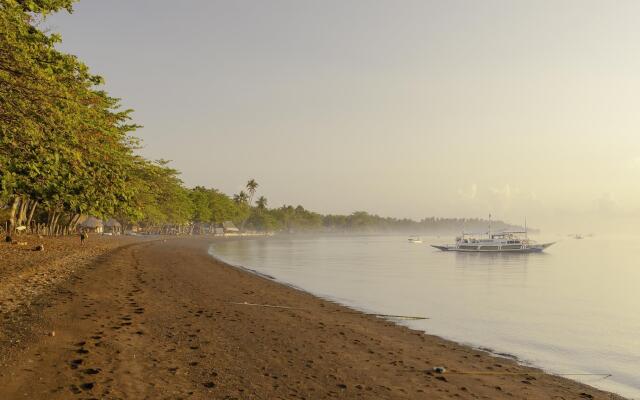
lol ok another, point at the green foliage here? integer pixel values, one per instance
(361, 221)
(43, 6)
(295, 219)
(225, 209)
(202, 205)
(159, 195)
(214, 207)
(65, 144)
(251, 186)
(261, 203)
(264, 221)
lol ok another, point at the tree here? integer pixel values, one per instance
(261, 203)
(252, 186)
(241, 198)
(65, 146)
(226, 209)
(44, 6)
(201, 201)
(263, 221)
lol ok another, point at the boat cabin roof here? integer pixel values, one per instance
(508, 233)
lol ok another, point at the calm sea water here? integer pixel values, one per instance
(573, 309)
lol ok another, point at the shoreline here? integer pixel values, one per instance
(505, 355)
(160, 317)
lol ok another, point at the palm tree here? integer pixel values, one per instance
(252, 185)
(261, 203)
(240, 197)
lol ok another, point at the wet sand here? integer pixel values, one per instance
(158, 320)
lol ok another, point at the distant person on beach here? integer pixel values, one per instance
(83, 236)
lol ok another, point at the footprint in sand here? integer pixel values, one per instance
(75, 363)
(91, 371)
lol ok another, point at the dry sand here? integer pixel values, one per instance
(156, 320)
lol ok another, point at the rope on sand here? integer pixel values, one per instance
(244, 303)
(398, 316)
(385, 315)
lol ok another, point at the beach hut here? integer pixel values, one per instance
(113, 226)
(230, 227)
(92, 224)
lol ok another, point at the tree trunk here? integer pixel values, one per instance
(49, 217)
(31, 212)
(22, 213)
(12, 215)
(73, 222)
(54, 223)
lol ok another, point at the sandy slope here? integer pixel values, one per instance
(156, 320)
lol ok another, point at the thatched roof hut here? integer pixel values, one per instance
(113, 226)
(230, 227)
(92, 224)
(112, 223)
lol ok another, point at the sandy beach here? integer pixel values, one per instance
(123, 318)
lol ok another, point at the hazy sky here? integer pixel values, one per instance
(401, 108)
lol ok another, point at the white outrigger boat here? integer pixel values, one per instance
(415, 239)
(504, 242)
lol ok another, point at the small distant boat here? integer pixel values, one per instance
(578, 236)
(500, 242)
(415, 239)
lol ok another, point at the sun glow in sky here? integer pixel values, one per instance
(406, 109)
